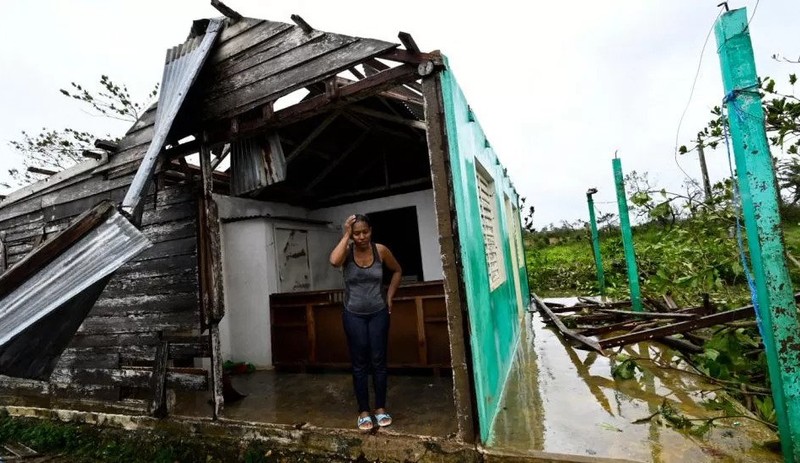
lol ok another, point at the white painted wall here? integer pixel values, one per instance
(321, 242)
(250, 271)
(426, 219)
(249, 278)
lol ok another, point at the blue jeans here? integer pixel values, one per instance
(367, 338)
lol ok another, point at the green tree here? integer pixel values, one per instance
(782, 124)
(58, 149)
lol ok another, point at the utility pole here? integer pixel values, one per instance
(627, 236)
(598, 259)
(704, 169)
(759, 195)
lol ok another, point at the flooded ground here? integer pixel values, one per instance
(564, 400)
(420, 404)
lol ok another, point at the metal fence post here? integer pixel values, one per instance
(759, 194)
(598, 258)
(627, 237)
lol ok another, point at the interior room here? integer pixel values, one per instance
(283, 298)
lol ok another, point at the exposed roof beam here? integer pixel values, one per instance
(356, 73)
(333, 164)
(406, 184)
(226, 10)
(302, 24)
(405, 56)
(378, 66)
(348, 94)
(180, 151)
(400, 93)
(387, 117)
(107, 145)
(93, 154)
(313, 136)
(41, 171)
(317, 152)
(355, 120)
(225, 152)
(408, 42)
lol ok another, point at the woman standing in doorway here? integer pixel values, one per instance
(366, 315)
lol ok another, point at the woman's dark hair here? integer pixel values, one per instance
(362, 218)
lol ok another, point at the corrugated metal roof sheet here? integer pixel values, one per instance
(35, 351)
(94, 256)
(183, 64)
(255, 163)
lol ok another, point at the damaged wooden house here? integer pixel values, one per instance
(203, 236)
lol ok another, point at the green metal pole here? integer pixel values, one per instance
(627, 237)
(759, 195)
(598, 258)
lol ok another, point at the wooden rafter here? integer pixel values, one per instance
(313, 136)
(333, 164)
(316, 152)
(41, 171)
(400, 93)
(405, 56)
(373, 66)
(405, 184)
(302, 24)
(409, 42)
(356, 73)
(355, 120)
(387, 117)
(226, 10)
(180, 151)
(216, 162)
(347, 94)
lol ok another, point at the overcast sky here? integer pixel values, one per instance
(557, 86)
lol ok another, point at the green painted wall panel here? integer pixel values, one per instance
(493, 314)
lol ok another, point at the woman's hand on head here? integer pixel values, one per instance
(348, 226)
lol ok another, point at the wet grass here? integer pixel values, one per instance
(84, 443)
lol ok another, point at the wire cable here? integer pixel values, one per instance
(691, 94)
(752, 15)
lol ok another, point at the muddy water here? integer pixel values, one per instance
(564, 400)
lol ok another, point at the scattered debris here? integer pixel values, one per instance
(592, 319)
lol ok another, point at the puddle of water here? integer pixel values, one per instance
(565, 400)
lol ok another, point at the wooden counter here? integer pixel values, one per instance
(307, 328)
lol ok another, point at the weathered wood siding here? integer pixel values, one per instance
(257, 61)
(156, 292)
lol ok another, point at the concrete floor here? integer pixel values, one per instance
(419, 405)
(564, 400)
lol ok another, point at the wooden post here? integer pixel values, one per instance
(422, 343)
(158, 382)
(627, 236)
(210, 249)
(216, 371)
(704, 169)
(457, 322)
(759, 194)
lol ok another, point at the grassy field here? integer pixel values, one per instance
(682, 261)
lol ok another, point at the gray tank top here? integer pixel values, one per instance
(363, 290)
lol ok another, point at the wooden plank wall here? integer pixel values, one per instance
(155, 292)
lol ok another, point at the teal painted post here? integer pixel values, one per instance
(759, 195)
(598, 258)
(627, 237)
